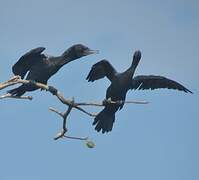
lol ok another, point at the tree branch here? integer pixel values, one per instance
(15, 97)
(70, 103)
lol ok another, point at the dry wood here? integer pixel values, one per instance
(70, 103)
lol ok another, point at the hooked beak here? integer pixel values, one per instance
(90, 51)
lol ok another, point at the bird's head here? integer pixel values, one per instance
(137, 55)
(78, 50)
(136, 58)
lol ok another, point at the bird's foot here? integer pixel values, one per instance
(106, 101)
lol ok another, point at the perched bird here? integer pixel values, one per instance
(41, 67)
(120, 84)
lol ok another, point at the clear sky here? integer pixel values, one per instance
(153, 142)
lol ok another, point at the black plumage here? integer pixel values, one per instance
(120, 84)
(41, 67)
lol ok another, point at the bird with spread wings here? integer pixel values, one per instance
(120, 84)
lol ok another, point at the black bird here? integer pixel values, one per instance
(120, 84)
(42, 67)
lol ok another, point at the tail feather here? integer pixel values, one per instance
(104, 121)
(17, 91)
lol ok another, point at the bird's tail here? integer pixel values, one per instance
(17, 91)
(104, 120)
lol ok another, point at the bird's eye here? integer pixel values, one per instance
(79, 49)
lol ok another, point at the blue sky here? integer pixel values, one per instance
(155, 141)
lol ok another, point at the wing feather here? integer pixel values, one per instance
(22, 66)
(100, 70)
(156, 82)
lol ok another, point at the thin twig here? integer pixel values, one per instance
(73, 104)
(78, 138)
(111, 102)
(84, 111)
(56, 111)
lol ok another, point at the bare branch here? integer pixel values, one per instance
(61, 134)
(17, 80)
(70, 103)
(56, 111)
(15, 97)
(111, 102)
(78, 138)
(10, 82)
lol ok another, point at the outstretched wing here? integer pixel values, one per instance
(156, 82)
(100, 70)
(22, 66)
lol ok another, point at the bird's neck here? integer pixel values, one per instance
(133, 67)
(65, 58)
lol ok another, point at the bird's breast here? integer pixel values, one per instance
(116, 92)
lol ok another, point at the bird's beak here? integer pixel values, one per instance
(89, 51)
